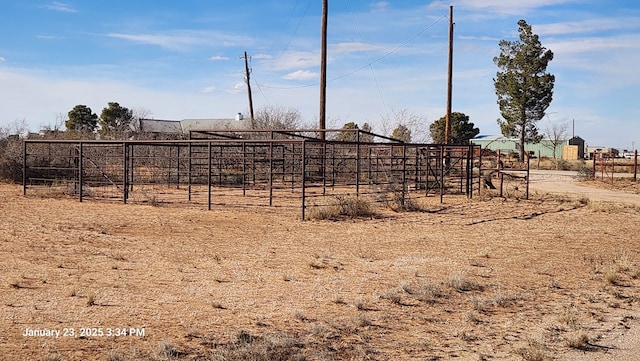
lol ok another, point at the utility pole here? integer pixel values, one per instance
(247, 77)
(323, 72)
(447, 127)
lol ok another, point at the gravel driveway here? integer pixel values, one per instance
(565, 182)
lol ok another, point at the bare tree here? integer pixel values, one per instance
(556, 133)
(17, 127)
(417, 125)
(278, 117)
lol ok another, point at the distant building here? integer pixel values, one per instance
(542, 149)
(605, 151)
(183, 127)
(575, 149)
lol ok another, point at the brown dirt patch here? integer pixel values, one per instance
(487, 279)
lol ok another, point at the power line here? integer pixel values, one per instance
(391, 52)
(295, 31)
(373, 73)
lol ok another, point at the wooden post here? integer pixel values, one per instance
(635, 165)
(323, 71)
(595, 156)
(247, 74)
(447, 131)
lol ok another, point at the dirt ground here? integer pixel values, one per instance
(554, 277)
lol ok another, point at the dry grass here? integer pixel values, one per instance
(462, 280)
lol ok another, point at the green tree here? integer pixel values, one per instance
(115, 118)
(367, 138)
(523, 86)
(81, 119)
(402, 132)
(346, 135)
(461, 129)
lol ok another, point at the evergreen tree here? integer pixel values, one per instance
(402, 132)
(523, 86)
(461, 129)
(115, 118)
(348, 136)
(81, 119)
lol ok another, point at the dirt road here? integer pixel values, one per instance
(565, 182)
(625, 346)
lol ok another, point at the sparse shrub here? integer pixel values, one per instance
(579, 340)
(570, 318)
(463, 284)
(584, 172)
(154, 201)
(396, 197)
(429, 293)
(354, 206)
(474, 318)
(245, 346)
(562, 164)
(114, 355)
(341, 206)
(91, 299)
(364, 321)
(467, 336)
(393, 296)
(407, 288)
(300, 316)
(361, 305)
(623, 261)
(484, 304)
(53, 357)
(481, 305)
(168, 351)
(612, 277)
(218, 305)
(339, 300)
(535, 351)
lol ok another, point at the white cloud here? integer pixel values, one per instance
(350, 47)
(60, 6)
(588, 26)
(379, 6)
(261, 56)
(295, 60)
(595, 44)
(237, 88)
(182, 40)
(218, 57)
(300, 75)
(499, 6)
(171, 42)
(2, 59)
(56, 96)
(209, 90)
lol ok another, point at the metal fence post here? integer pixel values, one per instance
(24, 168)
(80, 168)
(304, 177)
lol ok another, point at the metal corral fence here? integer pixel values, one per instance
(296, 173)
(605, 165)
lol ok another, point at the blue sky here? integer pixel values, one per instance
(182, 59)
